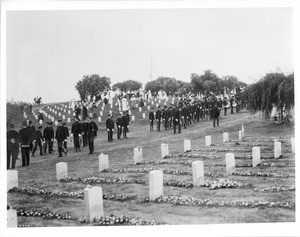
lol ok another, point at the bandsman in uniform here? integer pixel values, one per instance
(84, 133)
(119, 125)
(31, 130)
(39, 141)
(60, 136)
(158, 118)
(25, 137)
(12, 146)
(125, 124)
(151, 119)
(65, 144)
(76, 133)
(92, 129)
(176, 119)
(110, 126)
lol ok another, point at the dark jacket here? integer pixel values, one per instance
(12, 134)
(76, 128)
(92, 128)
(38, 135)
(25, 136)
(151, 116)
(60, 134)
(215, 111)
(31, 130)
(110, 124)
(119, 122)
(125, 122)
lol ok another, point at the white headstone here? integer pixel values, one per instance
(56, 123)
(155, 184)
(240, 134)
(255, 156)
(101, 113)
(293, 144)
(243, 131)
(157, 105)
(225, 137)
(69, 111)
(40, 122)
(55, 112)
(61, 170)
(74, 114)
(137, 154)
(277, 149)
(64, 116)
(65, 110)
(140, 109)
(93, 199)
(144, 115)
(99, 119)
(12, 219)
(165, 103)
(103, 162)
(148, 107)
(59, 114)
(52, 119)
(132, 118)
(12, 179)
(79, 117)
(129, 112)
(187, 145)
(69, 120)
(230, 163)
(198, 173)
(110, 112)
(164, 150)
(207, 140)
(152, 102)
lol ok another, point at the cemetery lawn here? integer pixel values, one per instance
(41, 174)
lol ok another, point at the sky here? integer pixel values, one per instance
(49, 51)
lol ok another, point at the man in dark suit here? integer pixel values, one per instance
(91, 133)
(110, 126)
(76, 132)
(84, 133)
(39, 140)
(65, 143)
(31, 130)
(12, 146)
(151, 119)
(25, 137)
(60, 137)
(215, 114)
(158, 119)
(125, 125)
(119, 125)
(48, 135)
(176, 120)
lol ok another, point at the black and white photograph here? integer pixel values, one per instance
(166, 117)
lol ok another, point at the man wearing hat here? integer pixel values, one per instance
(76, 132)
(12, 146)
(84, 133)
(91, 133)
(25, 137)
(60, 137)
(39, 140)
(176, 119)
(119, 125)
(151, 119)
(110, 126)
(125, 123)
(158, 118)
(215, 114)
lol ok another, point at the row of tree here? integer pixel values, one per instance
(273, 90)
(93, 85)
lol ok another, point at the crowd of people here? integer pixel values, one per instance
(188, 111)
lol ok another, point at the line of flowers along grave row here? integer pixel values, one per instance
(76, 195)
(276, 189)
(211, 184)
(260, 144)
(260, 174)
(104, 220)
(189, 162)
(265, 149)
(191, 201)
(201, 155)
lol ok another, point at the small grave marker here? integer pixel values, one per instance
(93, 199)
(198, 173)
(164, 150)
(255, 156)
(225, 137)
(187, 145)
(12, 179)
(103, 162)
(155, 184)
(61, 170)
(277, 149)
(230, 163)
(207, 140)
(137, 154)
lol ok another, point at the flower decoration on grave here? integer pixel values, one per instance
(43, 214)
(260, 174)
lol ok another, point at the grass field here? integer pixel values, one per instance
(41, 175)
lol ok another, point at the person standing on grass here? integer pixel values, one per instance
(12, 146)
(84, 133)
(76, 132)
(91, 133)
(60, 137)
(25, 141)
(119, 125)
(176, 120)
(151, 119)
(31, 130)
(158, 118)
(39, 140)
(48, 135)
(110, 126)
(125, 125)
(65, 143)
(215, 114)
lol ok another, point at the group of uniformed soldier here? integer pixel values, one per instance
(122, 125)
(187, 112)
